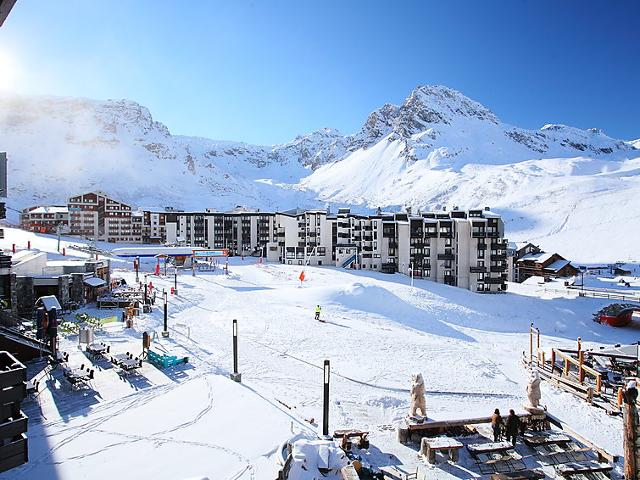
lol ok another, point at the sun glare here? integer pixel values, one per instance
(8, 71)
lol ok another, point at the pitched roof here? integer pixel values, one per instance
(557, 265)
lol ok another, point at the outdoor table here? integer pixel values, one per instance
(538, 439)
(76, 375)
(97, 348)
(126, 362)
(489, 447)
(130, 364)
(448, 445)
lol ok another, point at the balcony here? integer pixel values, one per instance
(446, 234)
(498, 245)
(477, 269)
(449, 279)
(393, 244)
(493, 234)
(493, 280)
(482, 246)
(499, 256)
(446, 256)
(498, 268)
(388, 267)
(480, 234)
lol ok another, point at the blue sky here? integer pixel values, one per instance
(263, 72)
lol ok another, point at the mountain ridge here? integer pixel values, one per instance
(438, 148)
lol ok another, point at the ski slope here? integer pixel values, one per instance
(194, 422)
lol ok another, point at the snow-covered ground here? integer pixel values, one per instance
(194, 421)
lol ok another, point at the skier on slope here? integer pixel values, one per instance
(318, 310)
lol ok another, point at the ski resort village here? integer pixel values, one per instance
(440, 295)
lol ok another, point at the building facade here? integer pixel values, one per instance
(95, 215)
(42, 219)
(241, 231)
(458, 248)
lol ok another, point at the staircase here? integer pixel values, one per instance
(347, 263)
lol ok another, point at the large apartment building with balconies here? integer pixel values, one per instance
(95, 215)
(241, 231)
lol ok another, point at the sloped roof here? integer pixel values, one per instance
(557, 265)
(49, 302)
(538, 257)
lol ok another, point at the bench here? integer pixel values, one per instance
(347, 435)
(449, 446)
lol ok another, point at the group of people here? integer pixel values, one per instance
(508, 429)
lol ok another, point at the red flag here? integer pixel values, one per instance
(158, 269)
(301, 277)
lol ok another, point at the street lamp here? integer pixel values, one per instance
(325, 402)
(165, 332)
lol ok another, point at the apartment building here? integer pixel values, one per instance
(45, 219)
(302, 237)
(241, 231)
(458, 248)
(95, 215)
(154, 226)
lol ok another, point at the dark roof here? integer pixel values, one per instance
(5, 8)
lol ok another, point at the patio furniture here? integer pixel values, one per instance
(449, 446)
(98, 349)
(127, 362)
(78, 376)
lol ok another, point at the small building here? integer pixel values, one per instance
(45, 219)
(542, 264)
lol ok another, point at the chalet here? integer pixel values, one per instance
(542, 264)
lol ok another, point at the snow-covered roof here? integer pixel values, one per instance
(51, 209)
(538, 257)
(94, 282)
(65, 263)
(49, 302)
(557, 265)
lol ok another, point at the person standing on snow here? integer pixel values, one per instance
(318, 310)
(512, 427)
(496, 425)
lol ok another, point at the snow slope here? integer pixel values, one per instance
(194, 421)
(568, 189)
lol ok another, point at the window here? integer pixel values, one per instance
(480, 253)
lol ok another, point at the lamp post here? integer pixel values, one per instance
(165, 332)
(235, 376)
(175, 281)
(411, 272)
(325, 401)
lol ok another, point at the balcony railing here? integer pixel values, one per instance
(446, 256)
(477, 269)
(494, 280)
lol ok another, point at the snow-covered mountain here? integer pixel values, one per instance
(569, 189)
